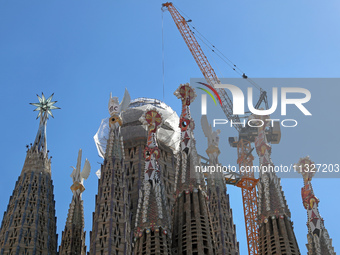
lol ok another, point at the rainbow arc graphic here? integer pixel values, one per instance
(209, 93)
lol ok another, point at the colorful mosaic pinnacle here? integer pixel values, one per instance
(152, 119)
(187, 125)
(305, 168)
(310, 201)
(151, 211)
(190, 210)
(187, 95)
(318, 238)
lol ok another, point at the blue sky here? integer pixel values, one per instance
(83, 50)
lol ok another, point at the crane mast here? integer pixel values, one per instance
(245, 158)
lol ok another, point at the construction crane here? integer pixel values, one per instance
(233, 178)
(247, 134)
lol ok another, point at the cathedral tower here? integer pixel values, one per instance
(319, 242)
(219, 206)
(130, 176)
(29, 224)
(73, 237)
(152, 228)
(276, 235)
(135, 140)
(192, 230)
(111, 220)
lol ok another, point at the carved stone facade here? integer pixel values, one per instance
(111, 232)
(150, 198)
(152, 226)
(152, 237)
(222, 217)
(219, 206)
(276, 232)
(192, 228)
(73, 236)
(150, 233)
(29, 223)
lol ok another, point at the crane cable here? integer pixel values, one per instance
(225, 59)
(163, 54)
(212, 47)
(213, 59)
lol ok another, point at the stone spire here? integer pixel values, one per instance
(152, 234)
(192, 230)
(319, 242)
(73, 237)
(111, 220)
(275, 226)
(29, 223)
(221, 213)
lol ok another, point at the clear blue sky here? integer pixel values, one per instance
(83, 50)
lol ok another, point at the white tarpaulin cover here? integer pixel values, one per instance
(168, 133)
(101, 137)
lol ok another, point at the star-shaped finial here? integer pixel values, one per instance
(45, 105)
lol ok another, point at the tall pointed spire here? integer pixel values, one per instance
(29, 224)
(73, 237)
(276, 232)
(152, 218)
(111, 220)
(319, 242)
(192, 230)
(219, 206)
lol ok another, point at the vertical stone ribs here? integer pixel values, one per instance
(276, 233)
(192, 230)
(222, 218)
(73, 237)
(29, 224)
(111, 220)
(219, 206)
